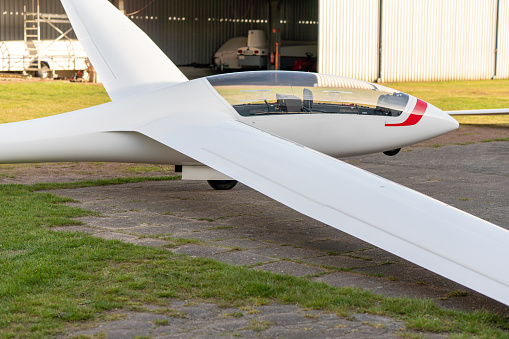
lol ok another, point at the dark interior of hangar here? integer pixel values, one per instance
(190, 31)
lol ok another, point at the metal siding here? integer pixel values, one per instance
(193, 40)
(503, 41)
(348, 38)
(53, 7)
(438, 40)
(11, 18)
(209, 24)
(206, 27)
(300, 20)
(422, 40)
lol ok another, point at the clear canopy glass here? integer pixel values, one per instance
(286, 92)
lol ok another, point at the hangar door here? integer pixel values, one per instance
(187, 31)
(191, 31)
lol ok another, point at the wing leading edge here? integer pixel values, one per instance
(434, 235)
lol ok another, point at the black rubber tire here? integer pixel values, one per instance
(44, 72)
(222, 185)
(392, 152)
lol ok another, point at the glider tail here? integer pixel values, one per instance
(127, 60)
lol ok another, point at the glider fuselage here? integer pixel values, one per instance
(350, 135)
(337, 116)
(106, 132)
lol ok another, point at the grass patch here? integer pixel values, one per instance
(497, 139)
(98, 182)
(463, 95)
(51, 280)
(237, 314)
(259, 325)
(219, 228)
(40, 99)
(148, 168)
(456, 294)
(459, 95)
(161, 322)
(5, 175)
(177, 242)
(490, 121)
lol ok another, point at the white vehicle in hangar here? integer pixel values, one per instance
(43, 58)
(276, 132)
(243, 52)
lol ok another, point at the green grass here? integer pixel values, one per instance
(463, 95)
(98, 182)
(496, 139)
(459, 95)
(39, 99)
(24, 101)
(484, 120)
(148, 168)
(54, 280)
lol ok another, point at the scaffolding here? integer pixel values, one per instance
(37, 57)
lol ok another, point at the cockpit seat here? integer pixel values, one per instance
(307, 100)
(289, 103)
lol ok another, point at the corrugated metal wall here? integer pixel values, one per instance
(11, 18)
(299, 20)
(348, 38)
(421, 40)
(187, 31)
(436, 40)
(503, 41)
(193, 30)
(190, 32)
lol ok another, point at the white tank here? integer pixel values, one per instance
(257, 39)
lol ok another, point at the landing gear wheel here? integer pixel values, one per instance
(392, 152)
(222, 185)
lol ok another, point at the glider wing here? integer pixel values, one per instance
(126, 59)
(425, 231)
(443, 239)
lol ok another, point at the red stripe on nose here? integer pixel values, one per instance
(415, 116)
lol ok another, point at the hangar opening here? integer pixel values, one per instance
(191, 32)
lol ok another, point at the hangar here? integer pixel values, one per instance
(189, 32)
(372, 40)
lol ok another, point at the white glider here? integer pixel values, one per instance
(277, 132)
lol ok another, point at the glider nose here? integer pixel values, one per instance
(441, 122)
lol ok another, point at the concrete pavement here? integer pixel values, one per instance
(243, 227)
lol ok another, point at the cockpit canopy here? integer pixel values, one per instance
(284, 92)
